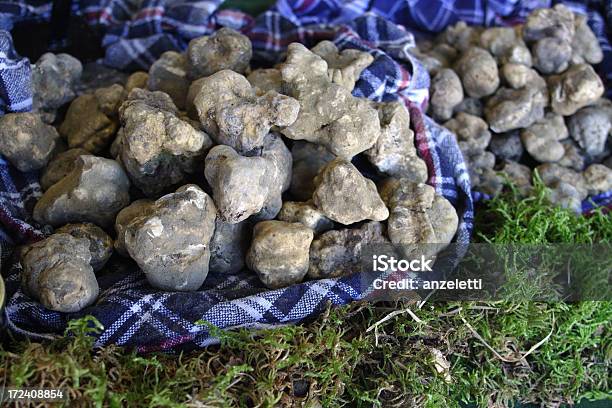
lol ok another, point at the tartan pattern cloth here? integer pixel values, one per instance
(134, 314)
(15, 92)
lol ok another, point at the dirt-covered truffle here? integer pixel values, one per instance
(138, 208)
(461, 36)
(585, 44)
(94, 191)
(57, 272)
(472, 132)
(92, 119)
(169, 75)
(60, 166)
(446, 92)
(551, 55)
(519, 174)
(279, 252)
(478, 72)
(511, 109)
(138, 79)
(518, 76)
(156, 147)
(244, 186)
(54, 78)
(170, 242)
(394, 153)
(557, 22)
(498, 40)
(338, 252)
(26, 141)
(591, 127)
(344, 67)
(345, 196)
(598, 178)
(232, 113)
(225, 49)
(418, 215)
(507, 146)
(329, 115)
(265, 79)
(543, 139)
(576, 88)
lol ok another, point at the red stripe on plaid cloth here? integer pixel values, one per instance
(420, 136)
(99, 17)
(150, 12)
(306, 4)
(405, 79)
(19, 230)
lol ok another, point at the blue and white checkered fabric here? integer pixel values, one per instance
(15, 90)
(134, 314)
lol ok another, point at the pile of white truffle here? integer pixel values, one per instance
(203, 164)
(506, 90)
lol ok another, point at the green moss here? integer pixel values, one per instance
(335, 361)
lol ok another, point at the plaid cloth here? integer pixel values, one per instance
(134, 314)
(15, 92)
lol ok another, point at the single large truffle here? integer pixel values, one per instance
(418, 216)
(157, 148)
(329, 115)
(542, 139)
(472, 132)
(57, 272)
(279, 252)
(591, 127)
(244, 186)
(232, 113)
(339, 252)
(511, 109)
(26, 141)
(478, 72)
(225, 49)
(54, 78)
(446, 93)
(170, 242)
(169, 75)
(557, 22)
(576, 88)
(94, 191)
(92, 119)
(345, 196)
(394, 153)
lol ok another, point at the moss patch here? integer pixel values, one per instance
(450, 353)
